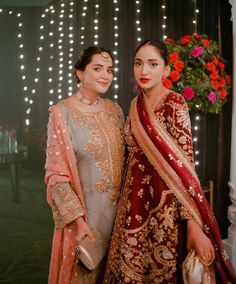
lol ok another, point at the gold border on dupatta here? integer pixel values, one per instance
(169, 176)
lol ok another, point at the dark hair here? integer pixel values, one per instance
(85, 57)
(159, 45)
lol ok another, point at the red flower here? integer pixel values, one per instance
(214, 75)
(170, 40)
(196, 36)
(179, 65)
(221, 66)
(174, 76)
(222, 83)
(210, 66)
(215, 84)
(173, 57)
(205, 42)
(185, 39)
(228, 79)
(214, 59)
(167, 83)
(222, 93)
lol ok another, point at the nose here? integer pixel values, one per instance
(144, 69)
(105, 74)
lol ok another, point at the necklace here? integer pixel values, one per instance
(86, 101)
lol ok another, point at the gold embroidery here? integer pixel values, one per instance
(140, 193)
(146, 179)
(105, 126)
(67, 206)
(224, 255)
(142, 167)
(141, 259)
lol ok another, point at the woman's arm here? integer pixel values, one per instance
(179, 127)
(198, 241)
(60, 193)
(70, 209)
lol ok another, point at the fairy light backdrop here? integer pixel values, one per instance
(61, 26)
(116, 13)
(164, 20)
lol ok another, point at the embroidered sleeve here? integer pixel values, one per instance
(67, 202)
(179, 125)
(184, 214)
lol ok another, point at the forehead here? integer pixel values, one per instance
(101, 60)
(147, 52)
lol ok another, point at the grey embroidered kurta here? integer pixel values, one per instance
(97, 139)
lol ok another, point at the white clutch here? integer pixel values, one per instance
(194, 271)
(91, 253)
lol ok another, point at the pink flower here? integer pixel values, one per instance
(138, 89)
(212, 97)
(197, 51)
(188, 93)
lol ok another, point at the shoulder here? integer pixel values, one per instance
(60, 109)
(175, 98)
(113, 106)
(176, 101)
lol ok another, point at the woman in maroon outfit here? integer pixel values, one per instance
(161, 188)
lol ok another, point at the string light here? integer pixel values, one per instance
(116, 10)
(164, 20)
(96, 23)
(31, 92)
(70, 51)
(137, 20)
(195, 17)
(22, 64)
(196, 125)
(83, 23)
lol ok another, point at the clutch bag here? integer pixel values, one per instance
(91, 252)
(194, 271)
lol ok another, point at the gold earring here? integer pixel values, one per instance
(82, 83)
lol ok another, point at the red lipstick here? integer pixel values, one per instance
(144, 80)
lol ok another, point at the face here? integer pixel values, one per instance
(98, 74)
(149, 67)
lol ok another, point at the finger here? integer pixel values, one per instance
(80, 238)
(91, 235)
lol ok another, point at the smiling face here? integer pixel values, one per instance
(98, 74)
(149, 68)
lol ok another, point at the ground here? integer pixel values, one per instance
(26, 231)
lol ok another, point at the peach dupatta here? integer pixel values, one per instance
(61, 167)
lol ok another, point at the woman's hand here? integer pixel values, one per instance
(82, 230)
(198, 241)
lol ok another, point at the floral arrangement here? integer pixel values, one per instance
(198, 72)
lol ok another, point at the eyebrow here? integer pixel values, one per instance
(148, 59)
(100, 65)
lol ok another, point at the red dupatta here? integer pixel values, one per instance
(177, 172)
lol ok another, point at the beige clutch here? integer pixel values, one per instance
(194, 271)
(91, 253)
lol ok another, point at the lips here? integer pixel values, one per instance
(103, 83)
(144, 80)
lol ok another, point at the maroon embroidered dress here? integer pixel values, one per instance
(159, 174)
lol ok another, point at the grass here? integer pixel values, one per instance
(25, 231)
